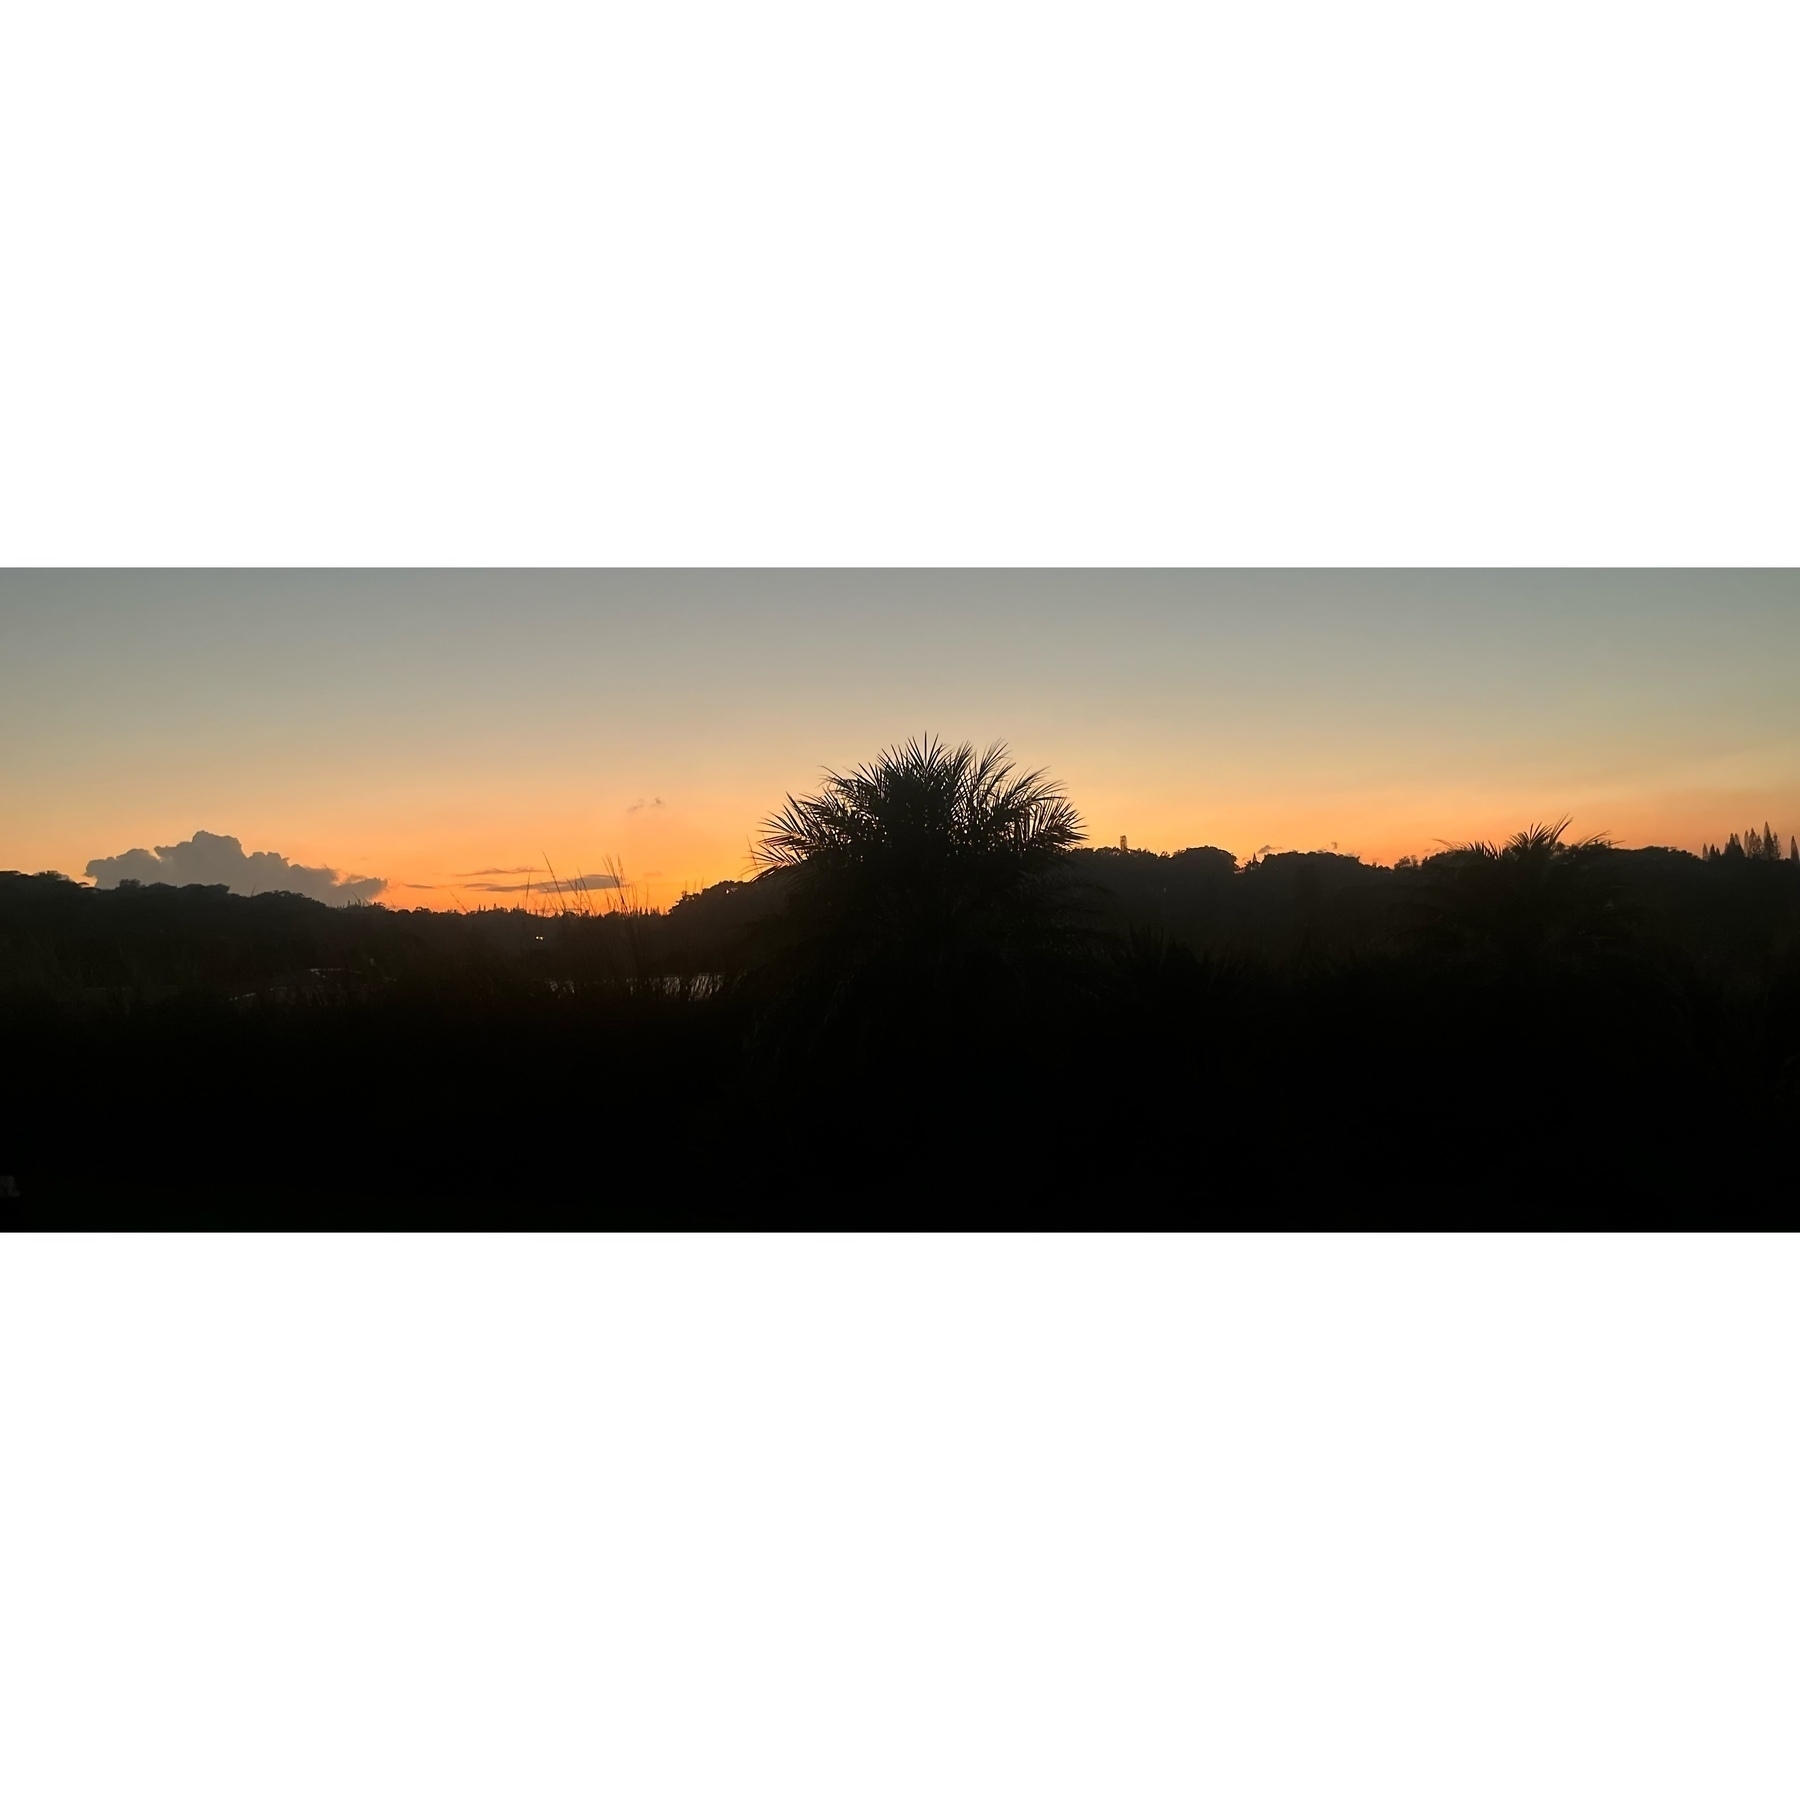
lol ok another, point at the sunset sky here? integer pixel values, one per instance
(448, 732)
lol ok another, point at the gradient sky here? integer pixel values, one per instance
(425, 726)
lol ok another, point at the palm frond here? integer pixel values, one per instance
(923, 795)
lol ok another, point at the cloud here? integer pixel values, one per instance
(522, 869)
(640, 805)
(215, 861)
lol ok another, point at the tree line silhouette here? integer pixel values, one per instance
(932, 1001)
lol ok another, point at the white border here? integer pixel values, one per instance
(801, 1518)
(985, 283)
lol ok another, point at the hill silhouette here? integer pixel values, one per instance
(932, 1004)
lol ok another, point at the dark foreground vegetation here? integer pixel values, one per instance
(931, 1006)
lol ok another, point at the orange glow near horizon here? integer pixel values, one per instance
(510, 858)
(442, 730)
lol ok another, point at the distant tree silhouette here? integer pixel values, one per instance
(1753, 846)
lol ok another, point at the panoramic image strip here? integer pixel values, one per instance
(536, 889)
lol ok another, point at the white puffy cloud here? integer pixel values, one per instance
(216, 861)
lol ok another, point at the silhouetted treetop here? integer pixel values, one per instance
(1753, 846)
(931, 878)
(925, 840)
(922, 803)
(1532, 896)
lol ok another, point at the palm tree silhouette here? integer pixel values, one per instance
(1530, 899)
(922, 815)
(928, 884)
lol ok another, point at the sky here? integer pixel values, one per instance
(455, 734)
